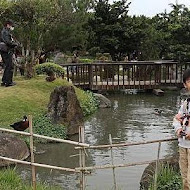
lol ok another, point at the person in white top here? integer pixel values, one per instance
(181, 124)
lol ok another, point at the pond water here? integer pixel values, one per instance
(131, 119)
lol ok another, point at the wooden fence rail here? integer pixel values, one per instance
(46, 137)
(125, 75)
(32, 162)
(114, 166)
(83, 169)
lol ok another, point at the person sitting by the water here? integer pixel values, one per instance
(182, 127)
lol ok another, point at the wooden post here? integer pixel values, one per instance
(157, 167)
(32, 153)
(114, 178)
(90, 75)
(82, 159)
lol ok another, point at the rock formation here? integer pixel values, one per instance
(103, 101)
(64, 108)
(12, 147)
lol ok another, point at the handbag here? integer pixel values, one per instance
(3, 47)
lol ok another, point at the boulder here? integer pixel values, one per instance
(59, 58)
(64, 108)
(12, 147)
(103, 101)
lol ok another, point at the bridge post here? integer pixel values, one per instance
(90, 75)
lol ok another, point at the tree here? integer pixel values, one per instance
(36, 21)
(105, 27)
(174, 37)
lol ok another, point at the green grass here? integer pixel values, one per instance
(32, 97)
(10, 180)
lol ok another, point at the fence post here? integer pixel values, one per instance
(157, 167)
(114, 178)
(82, 158)
(32, 153)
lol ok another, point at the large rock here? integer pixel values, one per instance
(12, 147)
(64, 108)
(102, 101)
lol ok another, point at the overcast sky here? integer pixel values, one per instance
(152, 7)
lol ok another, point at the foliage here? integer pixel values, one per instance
(36, 19)
(10, 180)
(168, 179)
(98, 26)
(48, 68)
(44, 126)
(85, 60)
(173, 33)
(106, 27)
(46, 25)
(87, 101)
(164, 36)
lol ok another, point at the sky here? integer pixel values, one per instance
(152, 7)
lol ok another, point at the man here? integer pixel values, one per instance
(7, 53)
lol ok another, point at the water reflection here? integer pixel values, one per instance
(132, 118)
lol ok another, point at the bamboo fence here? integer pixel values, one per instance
(82, 146)
(32, 161)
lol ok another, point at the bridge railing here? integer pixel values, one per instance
(172, 72)
(122, 75)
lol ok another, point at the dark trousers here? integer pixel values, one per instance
(7, 58)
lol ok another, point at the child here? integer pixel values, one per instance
(182, 127)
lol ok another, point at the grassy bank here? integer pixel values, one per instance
(10, 180)
(32, 97)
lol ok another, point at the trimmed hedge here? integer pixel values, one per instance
(47, 68)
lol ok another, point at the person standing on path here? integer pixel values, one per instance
(7, 46)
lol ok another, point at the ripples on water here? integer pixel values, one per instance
(132, 118)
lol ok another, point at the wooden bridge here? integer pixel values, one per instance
(125, 75)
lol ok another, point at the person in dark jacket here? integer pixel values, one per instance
(7, 54)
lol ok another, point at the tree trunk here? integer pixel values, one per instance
(30, 59)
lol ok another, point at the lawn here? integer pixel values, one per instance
(32, 97)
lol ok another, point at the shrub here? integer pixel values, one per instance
(49, 68)
(44, 126)
(87, 101)
(168, 179)
(85, 60)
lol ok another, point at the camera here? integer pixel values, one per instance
(182, 134)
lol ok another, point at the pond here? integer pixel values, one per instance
(132, 118)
